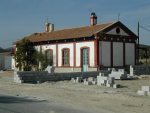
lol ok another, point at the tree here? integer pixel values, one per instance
(41, 62)
(25, 55)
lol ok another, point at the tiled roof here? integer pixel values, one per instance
(80, 32)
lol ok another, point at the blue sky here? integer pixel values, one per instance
(19, 18)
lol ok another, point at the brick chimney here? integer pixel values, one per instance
(93, 19)
(49, 27)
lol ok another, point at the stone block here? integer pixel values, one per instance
(108, 85)
(148, 93)
(146, 88)
(111, 80)
(87, 83)
(78, 79)
(140, 92)
(73, 80)
(94, 82)
(90, 79)
(116, 86)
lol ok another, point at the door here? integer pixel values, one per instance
(84, 59)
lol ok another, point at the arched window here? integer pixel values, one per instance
(49, 57)
(65, 57)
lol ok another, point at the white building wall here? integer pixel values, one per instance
(130, 53)
(8, 62)
(78, 52)
(104, 56)
(62, 46)
(52, 47)
(117, 54)
(113, 32)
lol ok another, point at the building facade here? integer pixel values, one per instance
(87, 48)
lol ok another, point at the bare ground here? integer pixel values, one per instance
(93, 99)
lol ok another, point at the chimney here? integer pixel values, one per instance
(93, 19)
(49, 27)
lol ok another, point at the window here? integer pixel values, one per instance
(49, 57)
(65, 57)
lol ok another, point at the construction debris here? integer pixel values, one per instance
(145, 90)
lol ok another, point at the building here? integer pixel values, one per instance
(87, 48)
(6, 59)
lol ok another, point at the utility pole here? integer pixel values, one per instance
(138, 43)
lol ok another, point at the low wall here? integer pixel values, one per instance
(34, 77)
(142, 70)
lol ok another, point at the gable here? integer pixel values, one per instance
(118, 31)
(124, 31)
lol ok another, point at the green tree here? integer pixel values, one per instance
(40, 60)
(25, 55)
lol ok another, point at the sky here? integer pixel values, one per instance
(20, 18)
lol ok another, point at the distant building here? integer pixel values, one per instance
(6, 59)
(87, 48)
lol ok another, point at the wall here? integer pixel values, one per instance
(8, 62)
(75, 66)
(117, 54)
(91, 52)
(104, 51)
(130, 53)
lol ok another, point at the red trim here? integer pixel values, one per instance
(95, 52)
(124, 54)
(85, 47)
(74, 49)
(111, 53)
(56, 55)
(63, 57)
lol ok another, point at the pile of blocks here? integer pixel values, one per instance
(101, 80)
(145, 90)
(90, 81)
(106, 81)
(121, 73)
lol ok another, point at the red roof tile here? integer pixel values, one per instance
(80, 32)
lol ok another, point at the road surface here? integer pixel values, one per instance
(16, 104)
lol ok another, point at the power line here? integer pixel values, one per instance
(144, 28)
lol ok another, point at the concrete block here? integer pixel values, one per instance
(78, 79)
(111, 80)
(116, 86)
(90, 79)
(108, 85)
(94, 82)
(101, 74)
(146, 88)
(87, 83)
(140, 92)
(148, 93)
(73, 80)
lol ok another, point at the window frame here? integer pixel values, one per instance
(46, 56)
(68, 50)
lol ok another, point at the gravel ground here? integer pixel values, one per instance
(92, 98)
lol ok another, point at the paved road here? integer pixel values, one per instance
(12, 104)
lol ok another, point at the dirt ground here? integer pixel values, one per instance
(92, 98)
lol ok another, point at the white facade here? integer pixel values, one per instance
(130, 53)
(89, 45)
(74, 56)
(104, 51)
(113, 32)
(117, 54)
(65, 46)
(6, 62)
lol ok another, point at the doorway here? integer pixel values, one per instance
(84, 59)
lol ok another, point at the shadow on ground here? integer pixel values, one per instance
(13, 99)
